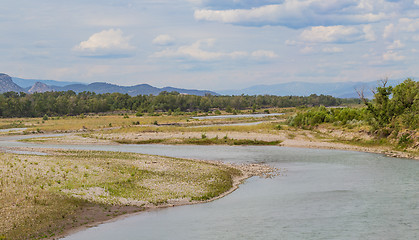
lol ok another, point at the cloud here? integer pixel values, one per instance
(163, 40)
(107, 43)
(332, 50)
(307, 50)
(397, 44)
(403, 25)
(195, 51)
(389, 31)
(264, 54)
(409, 25)
(369, 33)
(392, 56)
(336, 34)
(199, 51)
(298, 14)
(229, 4)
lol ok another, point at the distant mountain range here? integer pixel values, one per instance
(8, 84)
(337, 89)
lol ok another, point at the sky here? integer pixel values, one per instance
(209, 44)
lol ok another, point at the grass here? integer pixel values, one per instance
(119, 123)
(12, 125)
(42, 196)
(101, 122)
(263, 127)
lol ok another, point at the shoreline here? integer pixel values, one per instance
(237, 180)
(304, 139)
(248, 171)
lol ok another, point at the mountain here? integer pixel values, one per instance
(141, 89)
(36, 85)
(102, 87)
(7, 85)
(28, 83)
(339, 89)
(40, 88)
(188, 91)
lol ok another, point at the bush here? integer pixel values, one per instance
(316, 116)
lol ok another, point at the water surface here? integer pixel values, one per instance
(12, 129)
(239, 116)
(321, 194)
(229, 124)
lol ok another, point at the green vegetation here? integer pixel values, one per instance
(316, 116)
(41, 196)
(394, 113)
(17, 124)
(69, 103)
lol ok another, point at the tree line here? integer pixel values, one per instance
(14, 104)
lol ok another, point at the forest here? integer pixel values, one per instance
(69, 103)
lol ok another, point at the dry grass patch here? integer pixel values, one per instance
(42, 196)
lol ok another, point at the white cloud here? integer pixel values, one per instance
(298, 14)
(415, 38)
(397, 44)
(163, 40)
(389, 31)
(307, 50)
(105, 43)
(200, 51)
(264, 54)
(332, 34)
(332, 50)
(409, 25)
(369, 33)
(105, 40)
(291, 43)
(229, 4)
(196, 52)
(417, 2)
(392, 56)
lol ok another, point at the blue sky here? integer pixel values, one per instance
(209, 44)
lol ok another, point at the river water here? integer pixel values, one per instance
(321, 194)
(258, 115)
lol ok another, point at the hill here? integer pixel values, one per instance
(36, 85)
(28, 83)
(338, 89)
(7, 85)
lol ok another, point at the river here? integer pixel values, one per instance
(321, 194)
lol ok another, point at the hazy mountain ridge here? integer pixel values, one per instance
(338, 89)
(40, 88)
(7, 84)
(28, 83)
(35, 85)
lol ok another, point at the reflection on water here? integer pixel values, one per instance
(12, 129)
(229, 124)
(239, 116)
(322, 194)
